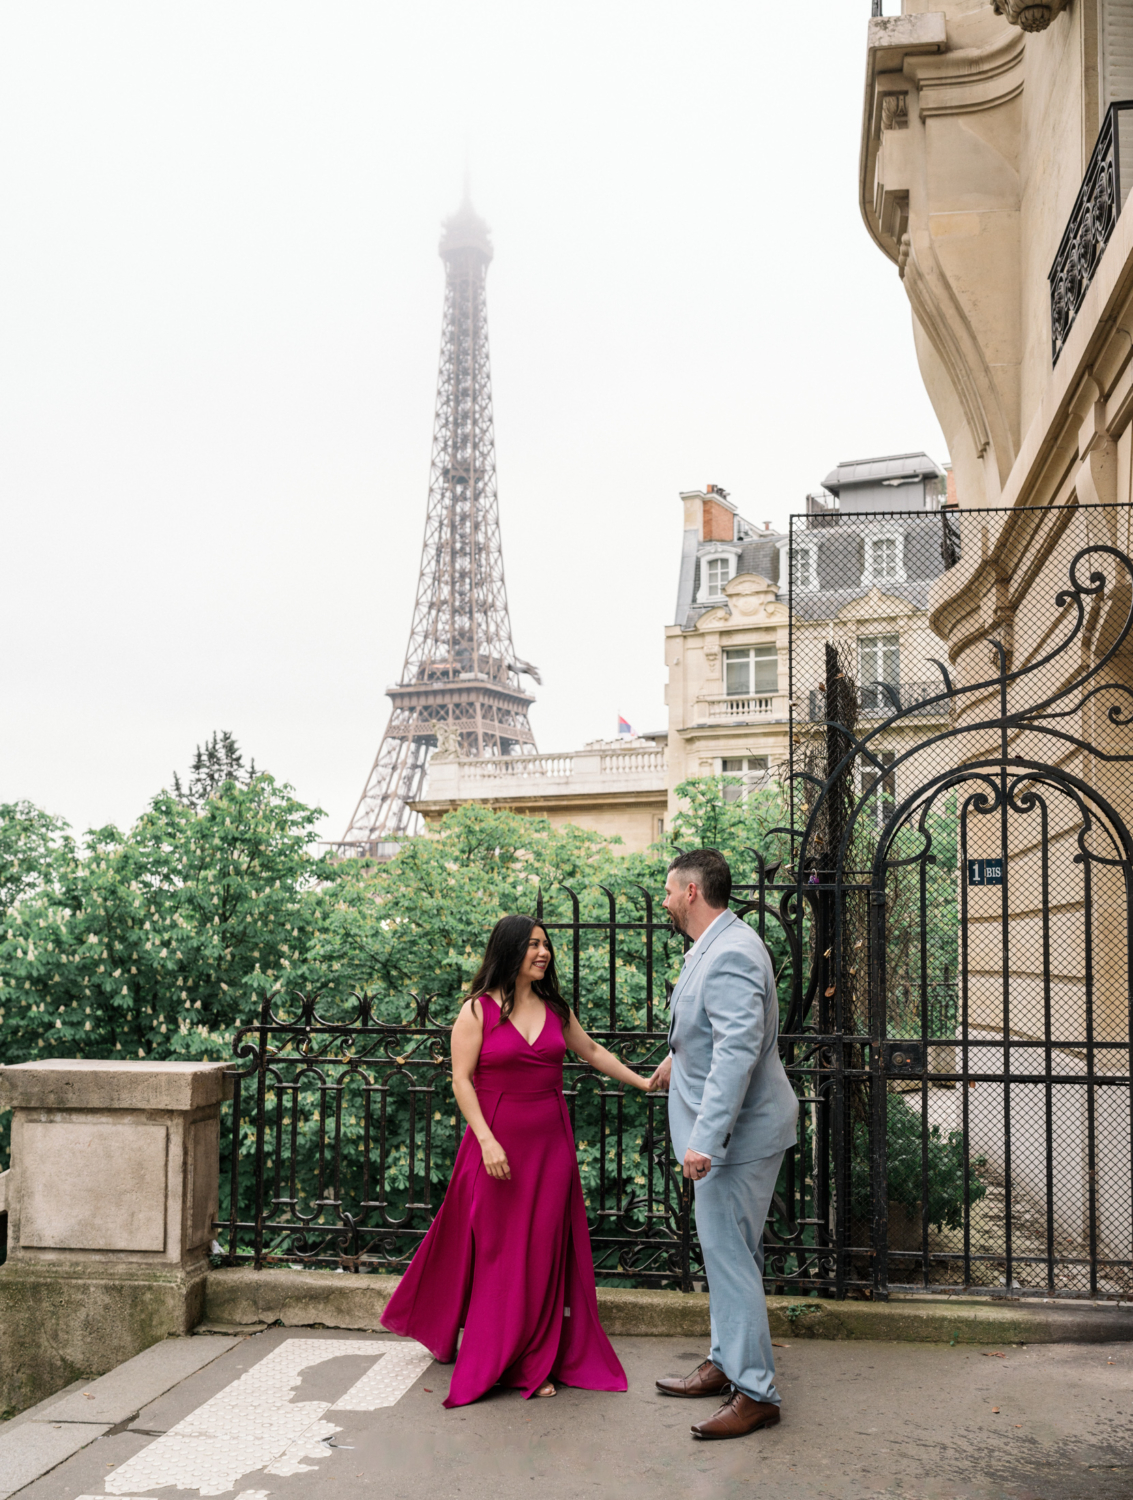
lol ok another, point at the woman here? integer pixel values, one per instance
(508, 1255)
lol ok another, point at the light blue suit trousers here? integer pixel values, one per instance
(731, 1207)
(730, 1099)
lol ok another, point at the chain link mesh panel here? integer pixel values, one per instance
(962, 701)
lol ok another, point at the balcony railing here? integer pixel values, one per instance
(1092, 221)
(514, 767)
(606, 768)
(877, 702)
(731, 710)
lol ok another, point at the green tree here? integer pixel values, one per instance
(34, 849)
(159, 941)
(219, 761)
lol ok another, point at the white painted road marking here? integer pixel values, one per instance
(253, 1424)
(385, 1383)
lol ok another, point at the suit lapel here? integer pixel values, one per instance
(694, 963)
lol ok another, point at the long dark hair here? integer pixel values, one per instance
(502, 961)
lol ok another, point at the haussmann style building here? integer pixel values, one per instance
(995, 168)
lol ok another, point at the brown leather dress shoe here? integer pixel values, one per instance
(737, 1418)
(705, 1380)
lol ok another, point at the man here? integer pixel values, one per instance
(732, 1114)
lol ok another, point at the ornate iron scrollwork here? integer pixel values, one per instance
(1091, 223)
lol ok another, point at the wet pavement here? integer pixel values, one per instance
(320, 1414)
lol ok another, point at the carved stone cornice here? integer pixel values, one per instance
(1027, 14)
(892, 40)
(969, 79)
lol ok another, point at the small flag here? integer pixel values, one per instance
(624, 726)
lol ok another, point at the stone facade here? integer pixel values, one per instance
(975, 139)
(987, 178)
(726, 652)
(614, 787)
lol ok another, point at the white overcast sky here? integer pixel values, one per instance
(220, 303)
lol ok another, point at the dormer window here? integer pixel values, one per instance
(718, 575)
(798, 560)
(884, 559)
(715, 571)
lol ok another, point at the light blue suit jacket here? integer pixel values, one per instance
(729, 1097)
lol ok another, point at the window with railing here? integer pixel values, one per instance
(879, 661)
(751, 670)
(1093, 218)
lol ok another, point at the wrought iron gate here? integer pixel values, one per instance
(962, 863)
(950, 919)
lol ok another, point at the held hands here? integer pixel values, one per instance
(659, 1083)
(495, 1160)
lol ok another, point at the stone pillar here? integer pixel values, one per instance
(111, 1197)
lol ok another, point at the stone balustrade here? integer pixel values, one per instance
(605, 768)
(732, 709)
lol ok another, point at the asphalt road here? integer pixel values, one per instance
(1046, 1422)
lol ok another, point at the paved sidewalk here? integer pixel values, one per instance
(314, 1414)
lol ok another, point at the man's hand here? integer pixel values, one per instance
(696, 1166)
(659, 1083)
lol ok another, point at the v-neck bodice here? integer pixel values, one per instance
(510, 1064)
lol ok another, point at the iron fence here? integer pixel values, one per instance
(343, 1130)
(973, 881)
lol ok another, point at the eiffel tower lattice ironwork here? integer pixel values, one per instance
(459, 688)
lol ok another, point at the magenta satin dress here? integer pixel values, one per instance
(509, 1261)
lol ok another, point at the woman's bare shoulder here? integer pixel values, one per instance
(472, 1010)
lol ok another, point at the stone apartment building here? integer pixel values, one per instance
(995, 166)
(862, 574)
(726, 651)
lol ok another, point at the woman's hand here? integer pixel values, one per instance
(495, 1160)
(659, 1083)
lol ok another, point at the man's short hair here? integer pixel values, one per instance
(710, 870)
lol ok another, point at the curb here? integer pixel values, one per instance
(239, 1298)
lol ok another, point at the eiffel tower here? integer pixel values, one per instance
(459, 688)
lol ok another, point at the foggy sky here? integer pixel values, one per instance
(220, 302)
